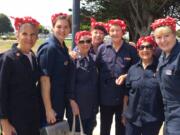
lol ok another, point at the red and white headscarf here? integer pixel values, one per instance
(148, 39)
(27, 19)
(95, 23)
(98, 25)
(119, 22)
(168, 21)
(54, 16)
(80, 34)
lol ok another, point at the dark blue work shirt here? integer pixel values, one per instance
(84, 85)
(18, 90)
(145, 99)
(54, 62)
(169, 79)
(111, 65)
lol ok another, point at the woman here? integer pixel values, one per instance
(98, 32)
(144, 112)
(19, 112)
(54, 64)
(113, 62)
(169, 72)
(84, 83)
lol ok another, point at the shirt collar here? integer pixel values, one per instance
(153, 64)
(17, 51)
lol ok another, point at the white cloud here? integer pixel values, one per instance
(39, 9)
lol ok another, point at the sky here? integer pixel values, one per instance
(38, 9)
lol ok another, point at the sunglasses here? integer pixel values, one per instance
(148, 47)
(88, 41)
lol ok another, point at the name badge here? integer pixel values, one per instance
(168, 72)
(127, 58)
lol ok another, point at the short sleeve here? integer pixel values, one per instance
(46, 59)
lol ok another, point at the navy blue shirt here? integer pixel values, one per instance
(54, 62)
(84, 85)
(145, 99)
(169, 79)
(18, 89)
(111, 65)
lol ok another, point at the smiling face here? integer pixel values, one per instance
(116, 33)
(61, 29)
(146, 51)
(84, 45)
(26, 37)
(97, 37)
(165, 38)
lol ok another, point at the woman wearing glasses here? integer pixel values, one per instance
(83, 94)
(144, 111)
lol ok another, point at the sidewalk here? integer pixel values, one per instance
(97, 128)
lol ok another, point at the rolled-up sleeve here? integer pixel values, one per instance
(46, 60)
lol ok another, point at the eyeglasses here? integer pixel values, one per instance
(88, 41)
(148, 47)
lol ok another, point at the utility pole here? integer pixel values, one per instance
(75, 19)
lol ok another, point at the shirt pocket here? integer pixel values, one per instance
(135, 83)
(171, 78)
(107, 59)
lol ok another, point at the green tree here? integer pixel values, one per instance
(138, 14)
(43, 30)
(5, 24)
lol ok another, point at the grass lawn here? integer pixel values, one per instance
(6, 44)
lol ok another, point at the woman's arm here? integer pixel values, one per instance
(46, 96)
(5, 77)
(7, 128)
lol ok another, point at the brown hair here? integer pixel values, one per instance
(68, 18)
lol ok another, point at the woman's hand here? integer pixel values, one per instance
(7, 128)
(123, 120)
(121, 79)
(75, 107)
(73, 55)
(51, 116)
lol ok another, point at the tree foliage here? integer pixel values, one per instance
(138, 14)
(5, 24)
(43, 30)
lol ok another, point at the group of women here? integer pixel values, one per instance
(132, 83)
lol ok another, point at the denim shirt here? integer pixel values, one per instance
(169, 79)
(54, 61)
(111, 65)
(145, 99)
(84, 85)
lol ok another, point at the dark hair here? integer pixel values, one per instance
(98, 27)
(63, 17)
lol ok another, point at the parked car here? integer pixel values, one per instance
(4, 37)
(69, 37)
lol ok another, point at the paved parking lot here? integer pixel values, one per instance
(97, 129)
